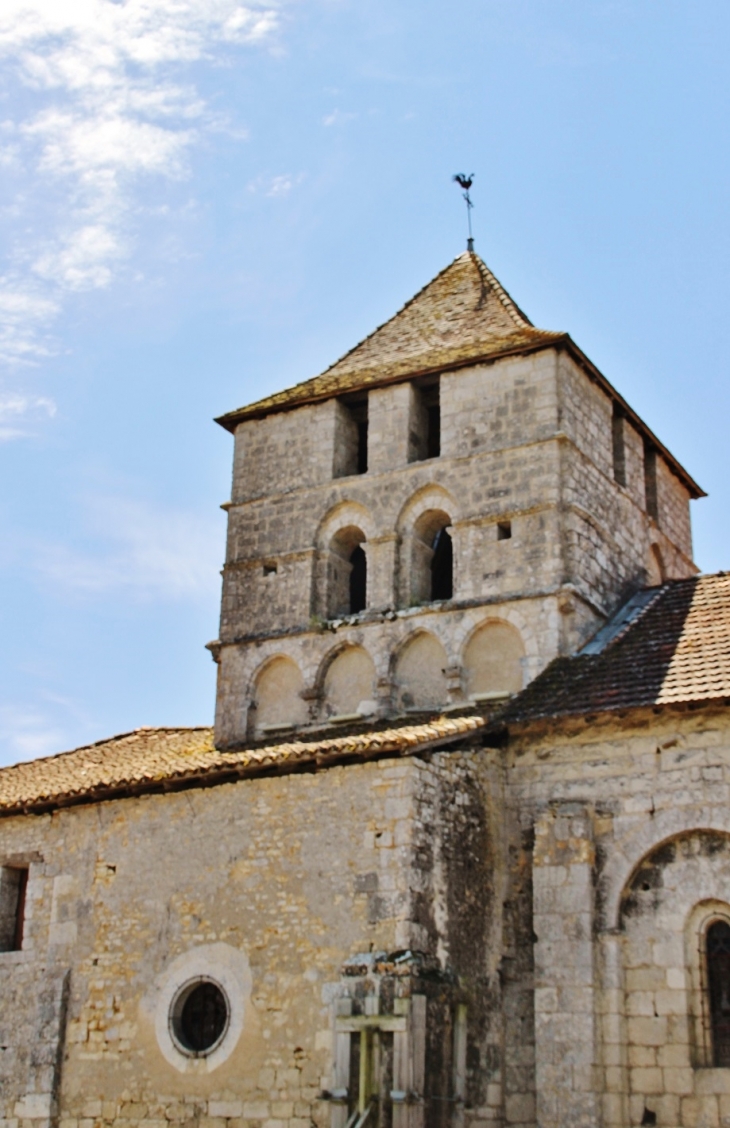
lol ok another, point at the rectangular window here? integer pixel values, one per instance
(351, 438)
(650, 481)
(504, 530)
(424, 425)
(619, 447)
(13, 882)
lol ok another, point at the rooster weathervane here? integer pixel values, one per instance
(465, 182)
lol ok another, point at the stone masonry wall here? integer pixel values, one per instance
(269, 886)
(540, 623)
(631, 862)
(525, 445)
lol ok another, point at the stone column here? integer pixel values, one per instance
(380, 553)
(566, 1042)
(388, 425)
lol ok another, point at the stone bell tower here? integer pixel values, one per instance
(424, 526)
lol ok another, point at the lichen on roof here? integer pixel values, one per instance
(463, 314)
(163, 759)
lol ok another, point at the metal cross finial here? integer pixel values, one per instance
(466, 182)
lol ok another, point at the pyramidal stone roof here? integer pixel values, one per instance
(464, 314)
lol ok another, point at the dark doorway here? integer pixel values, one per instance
(358, 580)
(718, 976)
(442, 567)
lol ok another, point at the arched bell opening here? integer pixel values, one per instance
(432, 558)
(347, 581)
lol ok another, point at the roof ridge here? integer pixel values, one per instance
(674, 651)
(631, 616)
(519, 317)
(388, 320)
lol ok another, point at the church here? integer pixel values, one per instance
(456, 853)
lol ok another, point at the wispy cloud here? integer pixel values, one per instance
(338, 117)
(27, 733)
(276, 187)
(144, 551)
(18, 413)
(104, 98)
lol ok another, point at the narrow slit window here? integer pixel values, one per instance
(650, 481)
(358, 580)
(619, 447)
(442, 566)
(433, 438)
(424, 437)
(504, 530)
(13, 884)
(718, 985)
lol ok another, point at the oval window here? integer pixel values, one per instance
(199, 1017)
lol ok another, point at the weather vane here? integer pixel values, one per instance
(466, 182)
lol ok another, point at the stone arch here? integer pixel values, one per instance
(347, 683)
(673, 895)
(427, 562)
(493, 660)
(341, 550)
(628, 853)
(340, 516)
(419, 673)
(427, 497)
(709, 985)
(645, 877)
(276, 696)
(656, 572)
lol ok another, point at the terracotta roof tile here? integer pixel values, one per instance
(463, 314)
(675, 650)
(161, 759)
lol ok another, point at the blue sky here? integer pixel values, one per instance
(202, 201)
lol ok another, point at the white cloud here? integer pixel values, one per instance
(84, 260)
(25, 734)
(24, 316)
(18, 411)
(338, 117)
(144, 551)
(276, 186)
(105, 100)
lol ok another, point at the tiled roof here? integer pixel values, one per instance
(163, 759)
(672, 649)
(463, 314)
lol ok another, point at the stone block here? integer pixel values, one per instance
(700, 1112)
(225, 1109)
(520, 1108)
(646, 1080)
(33, 1106)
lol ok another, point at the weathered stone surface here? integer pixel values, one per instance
(467, 924)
